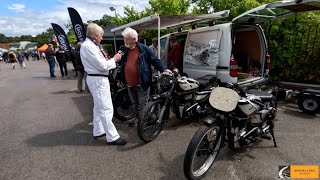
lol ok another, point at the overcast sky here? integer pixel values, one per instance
(32, 17)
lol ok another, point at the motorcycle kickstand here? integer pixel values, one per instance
(274, 139)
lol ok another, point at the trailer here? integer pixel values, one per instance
(308, 95)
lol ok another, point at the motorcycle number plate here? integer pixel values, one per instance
(224, 99)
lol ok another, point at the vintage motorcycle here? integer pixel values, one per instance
(238, 118)
(120, 97)
(184, 95)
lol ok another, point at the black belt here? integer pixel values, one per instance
(102, 75)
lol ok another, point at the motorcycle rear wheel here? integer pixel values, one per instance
(149, 125)
(206, 142)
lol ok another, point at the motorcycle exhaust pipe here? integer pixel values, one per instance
(191, 107)
(251, 131)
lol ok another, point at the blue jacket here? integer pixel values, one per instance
(145, 60)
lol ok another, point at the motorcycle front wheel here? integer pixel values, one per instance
(122, 106)
(149, 125)
(202, 151)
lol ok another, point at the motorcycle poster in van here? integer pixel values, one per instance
(236, 51)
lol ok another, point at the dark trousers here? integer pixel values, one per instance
(63, 65)
(139, 98)
(52, 64)
(82, 75)
(75, 66)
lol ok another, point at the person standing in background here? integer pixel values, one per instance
(21, 60)
(62, 57)
(49, 54)
(174, 57)
(13, 59)
(72, 59)
(82, 75)
(154, 46)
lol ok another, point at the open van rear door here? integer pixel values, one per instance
(276, 10)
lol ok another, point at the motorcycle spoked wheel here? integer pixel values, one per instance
(202, 151)
(149, 125)
(122, 106)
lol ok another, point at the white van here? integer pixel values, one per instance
(236, 51)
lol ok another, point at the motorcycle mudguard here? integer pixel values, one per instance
(224, 99)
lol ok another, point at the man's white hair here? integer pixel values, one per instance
(129, 32)
(94, 29)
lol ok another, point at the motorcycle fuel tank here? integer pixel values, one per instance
(247, 107)
(187, 84)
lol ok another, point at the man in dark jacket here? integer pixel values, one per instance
(62, 57)
(136, 70)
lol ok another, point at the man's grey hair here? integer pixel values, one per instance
(129, 32)
(94, 29)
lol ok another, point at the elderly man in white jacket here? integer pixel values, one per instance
(97, 67)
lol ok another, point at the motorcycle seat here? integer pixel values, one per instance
(207, 80)
(264, 96)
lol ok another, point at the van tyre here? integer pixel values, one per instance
(309, 104)
(202, 144)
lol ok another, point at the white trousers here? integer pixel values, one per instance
(102, 108)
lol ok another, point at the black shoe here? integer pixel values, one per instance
(96, 137)
(119, 142)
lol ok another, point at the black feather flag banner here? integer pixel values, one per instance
(62, 37)
(77, 24)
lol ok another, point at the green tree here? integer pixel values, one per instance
(106, 19)
(26, 38)
(3, 38)
(45, 37)
(169, 6)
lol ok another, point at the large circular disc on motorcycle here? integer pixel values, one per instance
(224, 99)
